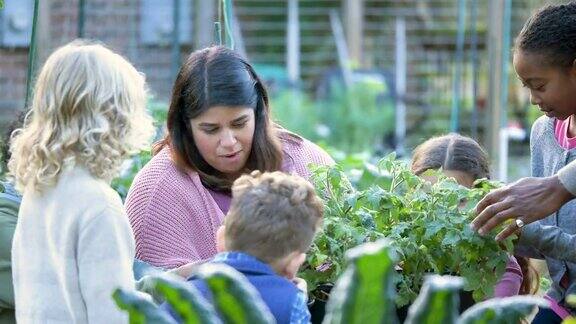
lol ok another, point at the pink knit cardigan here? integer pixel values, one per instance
(173, 216)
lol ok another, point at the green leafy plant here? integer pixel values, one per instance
(122, 183)
(235, 300)
(501, 310)
(364, 294)
(358, 117)
(186, 301)
(140, 309)
(365, 290)
(353, 120)
(428, 225)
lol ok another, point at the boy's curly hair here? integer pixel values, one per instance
(271, 215)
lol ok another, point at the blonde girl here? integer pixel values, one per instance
(73, 244)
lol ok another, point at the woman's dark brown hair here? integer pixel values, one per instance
(217, 76)
(460, 153)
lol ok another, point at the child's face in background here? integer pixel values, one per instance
(552, 89)
(464, 179)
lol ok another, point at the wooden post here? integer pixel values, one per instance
(32, 58)
(293, 43)
(354, 25)
(44, 39)
(175, 39)
(498, 55)
(205, 12)
(81, 18)
(341, 48)
(495, 11)
(456, 86)
(400, 78)
(475, 68)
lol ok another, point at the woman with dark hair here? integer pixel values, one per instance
(219, 127)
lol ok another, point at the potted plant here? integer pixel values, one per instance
(428, 225)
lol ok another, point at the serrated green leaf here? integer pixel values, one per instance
(437, 303)
(432, 229)
(186, 301)
(365, 292)
(235, 299)
(139, 308)
(450, 239)
(501, 310)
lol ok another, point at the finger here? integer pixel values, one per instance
(506, 232)
(492, 216)
(496, 220)
(481, 208)
(488, 200)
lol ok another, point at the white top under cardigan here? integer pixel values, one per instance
(73, 245)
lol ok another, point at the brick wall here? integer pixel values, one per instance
(114, 22)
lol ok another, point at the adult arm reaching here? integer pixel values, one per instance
(528, 199)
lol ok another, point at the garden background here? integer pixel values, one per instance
(362, 78)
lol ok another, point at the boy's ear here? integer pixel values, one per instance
(221, 239)
(295, 260)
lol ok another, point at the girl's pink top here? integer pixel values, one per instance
(175, 218)
(556, 308)
(511, 281)
(561, 133)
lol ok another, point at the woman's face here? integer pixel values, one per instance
(223, 136)
(552, 89)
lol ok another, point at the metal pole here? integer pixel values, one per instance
(494, 43)
(341, 48)
(354, 27)
(218, 26)
(293, 43)
(456, 87)
(503, 134)
(400, 75)
(175, 38)
(81, 17)
(204, 13)
(217, 33)
(475, 68)
(31, 56)
(228, 23)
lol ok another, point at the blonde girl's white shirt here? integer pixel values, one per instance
(73, 245)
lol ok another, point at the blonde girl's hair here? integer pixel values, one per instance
(88, 109)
